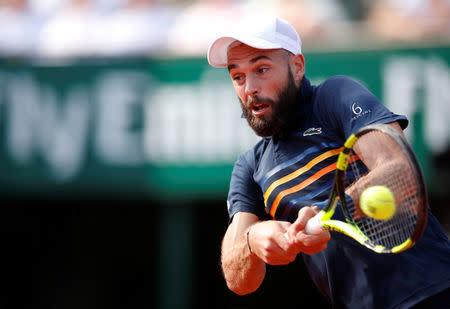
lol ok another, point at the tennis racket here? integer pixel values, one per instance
(402, 176)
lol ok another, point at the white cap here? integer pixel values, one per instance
(263, 33)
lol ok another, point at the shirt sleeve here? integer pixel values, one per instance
(245, 194)
(347, 105)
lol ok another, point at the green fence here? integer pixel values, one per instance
(171, 128)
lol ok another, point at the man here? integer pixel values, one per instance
(298, 123)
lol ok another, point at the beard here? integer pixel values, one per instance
(284, 110)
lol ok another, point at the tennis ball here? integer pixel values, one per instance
(378, 202)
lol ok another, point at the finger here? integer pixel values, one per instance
(291, 244)
(281, 236)
(304, 214)
(279, 252)
(287, 235)
(315, 239)
(311, 244)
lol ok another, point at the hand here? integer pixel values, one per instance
(267, 241)
(279, 242)
(303, 242)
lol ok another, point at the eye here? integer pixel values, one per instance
(237, 77)
(263, 69)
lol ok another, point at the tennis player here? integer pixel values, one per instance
(301, 126)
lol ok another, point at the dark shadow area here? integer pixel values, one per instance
(102, 253)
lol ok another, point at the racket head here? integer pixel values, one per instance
(403, 176)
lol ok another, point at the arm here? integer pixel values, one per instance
(243, 270)
(380, 158)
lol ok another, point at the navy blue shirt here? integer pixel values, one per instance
(283, 173)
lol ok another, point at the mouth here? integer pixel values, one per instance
(260, 109)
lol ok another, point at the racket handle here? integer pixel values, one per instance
(313, 225)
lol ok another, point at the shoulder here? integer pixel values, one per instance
(339, 80)
(339, 91)
(341, 87)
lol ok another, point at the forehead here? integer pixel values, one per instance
(239, 53)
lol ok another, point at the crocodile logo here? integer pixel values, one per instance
(312, 131)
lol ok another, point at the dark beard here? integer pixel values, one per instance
(284, 111)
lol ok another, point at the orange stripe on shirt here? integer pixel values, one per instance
(304, 184)
(300, 171)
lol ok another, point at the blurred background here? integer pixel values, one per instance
(117, 140)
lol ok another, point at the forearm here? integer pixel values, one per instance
(377, 175)
(382, 157)
(382, 173)
(243, 270)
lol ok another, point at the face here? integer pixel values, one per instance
(267, 83)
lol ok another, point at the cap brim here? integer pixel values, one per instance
(218, 50)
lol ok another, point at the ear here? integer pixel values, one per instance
(298, 67)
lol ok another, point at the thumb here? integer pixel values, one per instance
(304, 215)
(297, 226)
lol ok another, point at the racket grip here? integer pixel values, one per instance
(313, 225)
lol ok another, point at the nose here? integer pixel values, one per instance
(251, 87)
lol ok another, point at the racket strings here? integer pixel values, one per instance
(398, 229)
(400, 179)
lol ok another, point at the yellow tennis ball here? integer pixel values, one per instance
(378, 202)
